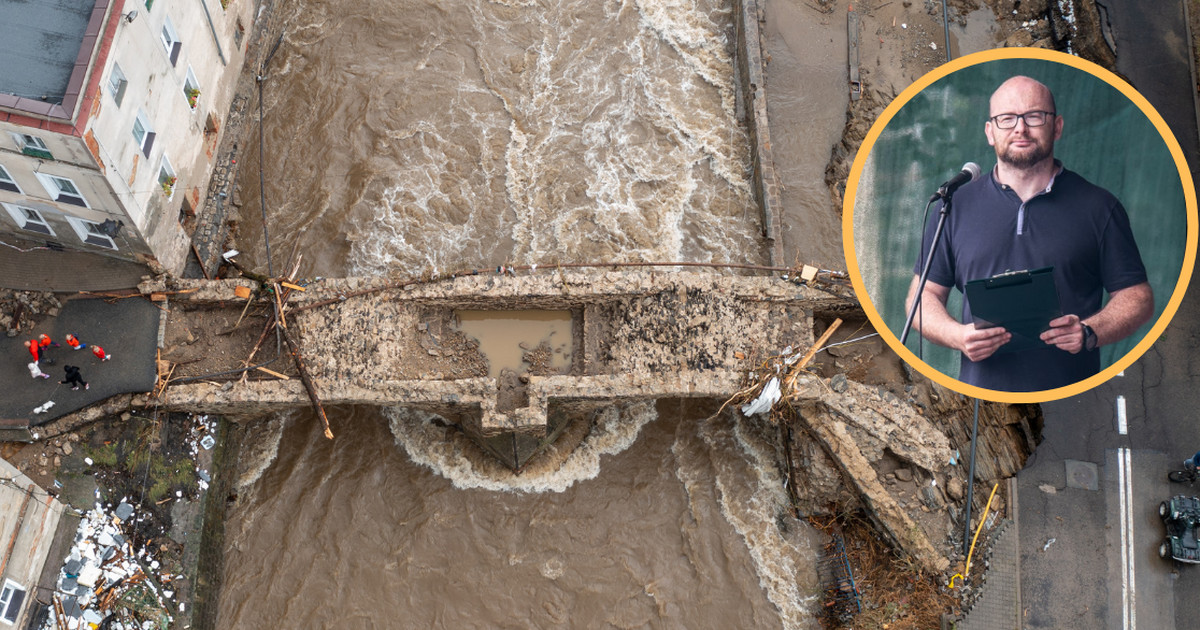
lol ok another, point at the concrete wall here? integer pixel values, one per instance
(73, 161)
(752, 84)
(185, 136)
(31, 531)
(100, 154)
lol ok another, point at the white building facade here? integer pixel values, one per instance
(108, 133)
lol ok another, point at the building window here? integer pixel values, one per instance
(143, 133)
(11, 599)
(166, 177)
(33, 146)
(62, 190)
(170, 40)
(7, 183)
(117, 83)
(28, 219)
(89, 232)
(191, 89)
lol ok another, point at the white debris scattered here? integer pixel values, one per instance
(933, 45)
(88, 461)
(904, 26)
(1048, 543)
(102, 578)
(769, 396)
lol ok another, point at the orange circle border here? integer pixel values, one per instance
(1185, 176)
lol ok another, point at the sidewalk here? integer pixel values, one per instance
(44, 269)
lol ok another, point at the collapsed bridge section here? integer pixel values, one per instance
(633, 335)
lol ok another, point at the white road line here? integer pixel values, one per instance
(1122, 423)
(1125, 496)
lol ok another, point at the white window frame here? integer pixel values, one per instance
(6, 598)
(6, 178)
(27, 141)
(189, 83)
(164, 169)
(21, 216)
(146, 140)
(170, 40)
(81, 227)
(117, 83)
(57, 192)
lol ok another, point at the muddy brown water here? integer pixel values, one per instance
(417, 135)
(412, 135)
(658, 520)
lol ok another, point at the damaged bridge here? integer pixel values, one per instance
(635, 335)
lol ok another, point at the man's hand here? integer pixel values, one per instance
(1065, 334)
(979, 344)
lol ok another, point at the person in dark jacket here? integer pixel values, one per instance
(73, 378)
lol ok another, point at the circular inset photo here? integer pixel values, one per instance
(1024, 220)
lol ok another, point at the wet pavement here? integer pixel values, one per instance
(127, 329)
(43, 269)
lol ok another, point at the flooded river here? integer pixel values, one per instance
(412, 135)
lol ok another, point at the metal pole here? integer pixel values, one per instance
(971, 482)
(937, 236)
(946, 27)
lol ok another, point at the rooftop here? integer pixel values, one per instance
(40, 43)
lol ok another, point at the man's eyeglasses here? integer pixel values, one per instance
(1032, 119)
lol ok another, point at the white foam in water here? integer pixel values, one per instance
(259, 452)
(451, 455)
(581, 139)
(751, 496)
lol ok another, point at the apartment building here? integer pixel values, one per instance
(110, 115)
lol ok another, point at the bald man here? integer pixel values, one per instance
(1027, 213)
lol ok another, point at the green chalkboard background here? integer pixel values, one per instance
(1106, 139)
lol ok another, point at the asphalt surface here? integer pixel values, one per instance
(127, 329)
(1102, 569)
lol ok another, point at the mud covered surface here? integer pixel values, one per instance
(203, 340)
(901, 41)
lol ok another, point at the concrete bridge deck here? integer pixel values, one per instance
(635, 335)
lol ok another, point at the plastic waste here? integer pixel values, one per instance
(766, 399)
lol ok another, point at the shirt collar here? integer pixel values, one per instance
(1058, 170)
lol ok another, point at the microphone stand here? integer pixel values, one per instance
(946, 196)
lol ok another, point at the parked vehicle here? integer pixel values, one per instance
(1181, 516)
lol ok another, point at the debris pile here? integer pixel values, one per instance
(106, 582)
(20, 310)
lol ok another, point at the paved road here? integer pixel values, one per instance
(1102, 570)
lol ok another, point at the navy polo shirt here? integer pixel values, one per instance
(1078, 228)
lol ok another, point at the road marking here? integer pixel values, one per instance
(1125, 496)
(1122, 423)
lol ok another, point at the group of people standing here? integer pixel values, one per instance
(38, 347)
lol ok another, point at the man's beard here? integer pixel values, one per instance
(1034, 155)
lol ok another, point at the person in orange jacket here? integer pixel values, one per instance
(73, 341)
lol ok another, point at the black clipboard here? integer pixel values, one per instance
(1023, 302)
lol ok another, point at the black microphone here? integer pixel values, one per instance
(970, 172)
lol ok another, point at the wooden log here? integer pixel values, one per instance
(306, 380)
(790, 381)
(275, 374)
(200, 259)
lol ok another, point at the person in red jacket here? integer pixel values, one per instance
(33, 350)
(73, 341)
(100, 353)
